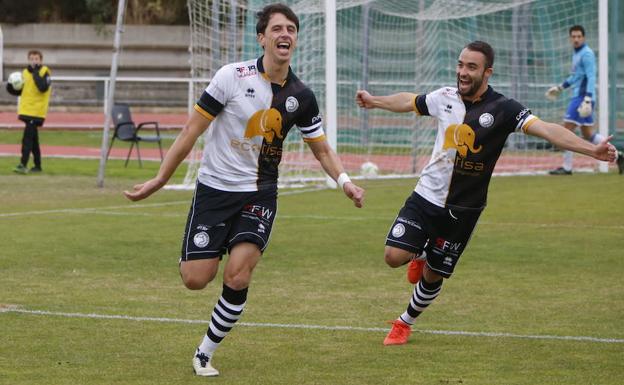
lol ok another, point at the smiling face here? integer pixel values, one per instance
(472, 76)
(279, 38)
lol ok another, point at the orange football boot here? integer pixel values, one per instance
(399, 333)
(415, 270)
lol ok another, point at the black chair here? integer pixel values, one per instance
(127, 131)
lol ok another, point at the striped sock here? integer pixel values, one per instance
(424, 293)
(226, 312)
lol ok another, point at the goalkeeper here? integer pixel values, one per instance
(580, 112)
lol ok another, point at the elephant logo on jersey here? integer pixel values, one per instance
(460, 137)
(266, 123)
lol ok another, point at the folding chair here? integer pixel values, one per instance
(127, 131)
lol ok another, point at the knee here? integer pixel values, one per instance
(395, 257)
(196, 281)
(237, 280)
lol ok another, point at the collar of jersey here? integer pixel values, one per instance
(483, 96)
(264, 74)
(580, 48)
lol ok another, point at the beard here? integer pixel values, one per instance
(476, 84)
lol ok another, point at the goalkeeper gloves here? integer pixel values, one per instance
(553, 92)
(585, 109)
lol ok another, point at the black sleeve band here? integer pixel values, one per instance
(421, 105)
(209, 104)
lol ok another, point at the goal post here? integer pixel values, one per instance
(388, 46)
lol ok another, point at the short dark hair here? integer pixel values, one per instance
(485, 49)
(264, 15)
(35, 52)
(577, 28)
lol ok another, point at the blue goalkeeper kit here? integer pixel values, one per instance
(583, 76)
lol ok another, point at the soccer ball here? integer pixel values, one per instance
(16, 80)
(369, 169)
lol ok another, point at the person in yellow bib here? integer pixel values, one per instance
(32, 108)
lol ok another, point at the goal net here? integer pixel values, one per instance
(388, 46)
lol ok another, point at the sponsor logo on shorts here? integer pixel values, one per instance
(260, 211)
(398, 230)
(409, 222)
(448, 261)
(261, 228)
(447, 246)
(201, 239)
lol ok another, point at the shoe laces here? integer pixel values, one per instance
(398, 329)
(203, 359)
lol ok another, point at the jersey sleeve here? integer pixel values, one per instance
(428, 104)
(309, 121)
(589, 65)
(215, 96)
(519, 118)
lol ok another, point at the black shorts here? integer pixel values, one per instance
(442, 233)
(218, 220)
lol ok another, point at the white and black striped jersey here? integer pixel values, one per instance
(469, 141)
(250, 120)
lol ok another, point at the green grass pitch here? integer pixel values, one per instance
(546, 261)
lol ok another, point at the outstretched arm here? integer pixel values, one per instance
(333, 167)
(400, 102)
(183, 144)
(567, 140)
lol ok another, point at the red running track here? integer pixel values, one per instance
(386, 163)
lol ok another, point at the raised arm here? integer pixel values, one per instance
(179, 150)
(400, 102)
(567, 140)
(333, 167)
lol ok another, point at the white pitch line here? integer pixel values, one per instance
(91, 209)
(102, 210)
(14, 309)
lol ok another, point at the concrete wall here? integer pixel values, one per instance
(84, 50)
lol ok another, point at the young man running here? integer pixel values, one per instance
(436, 222)
(250, 108)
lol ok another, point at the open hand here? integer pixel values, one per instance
(143, 190)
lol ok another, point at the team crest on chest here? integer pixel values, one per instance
(292, 104)
(486, 120)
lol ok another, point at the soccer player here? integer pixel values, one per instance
(32, 108)
(580, 112)
(250, 108)
(437, 220)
